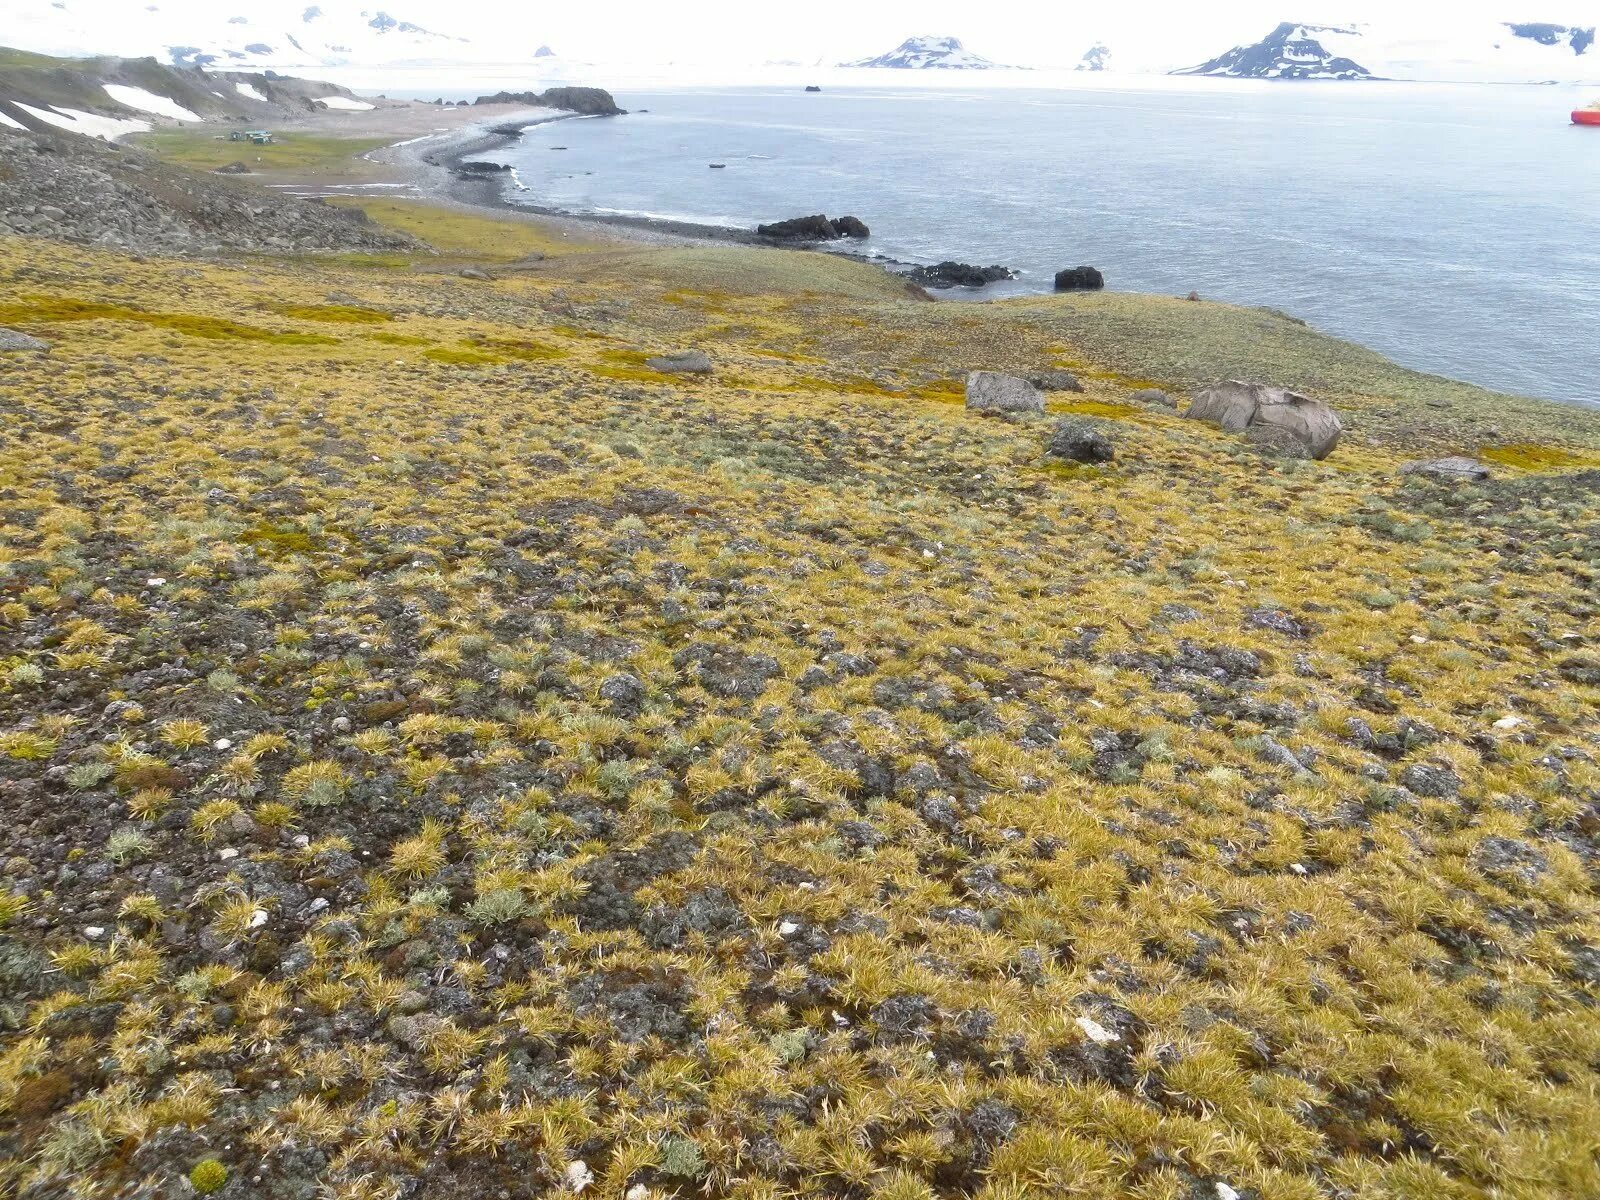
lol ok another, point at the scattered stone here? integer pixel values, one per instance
(1509, 859)
(477, 273)
(1455, 467)
(1080, 279)
(681, 362)
(1056, 381)
(12, 342)
(1076, 440)
(950, 274)
(1438, 783)
(1276, 621)
(818, 228)
(1153, 396)
(992, 392)
(1288, 419)
(1095, 1032)
(234, 168)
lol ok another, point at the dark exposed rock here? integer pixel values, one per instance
(1055, 381)
(585, 101)
(949, 274)
(1153, 396)
(1439, 783)
(1509, 859)
(1076, 440)
(817, 228)
(1080, 279)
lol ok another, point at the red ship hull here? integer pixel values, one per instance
(1586, 116)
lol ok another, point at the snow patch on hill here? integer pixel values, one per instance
(162, 106)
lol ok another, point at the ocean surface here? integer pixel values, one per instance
(1455, 229)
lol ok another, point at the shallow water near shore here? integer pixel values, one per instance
(1452, 228)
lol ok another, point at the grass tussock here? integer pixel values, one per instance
(457, 758)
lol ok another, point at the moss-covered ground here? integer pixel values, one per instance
(442, 756)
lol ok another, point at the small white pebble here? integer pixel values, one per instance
(637, 1192)
(318, 904)
(788, 928)
(93, 931)
(227, 854)
(1510, 722)
(1419, 640)
(302, 840)
(258, 918)
(578, 1175)
(1224, 1192)
(155, 581)
(1299, 869)
(222, 744)
(808, 887)
(1096, 1032)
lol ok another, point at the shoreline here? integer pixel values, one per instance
(432, 170)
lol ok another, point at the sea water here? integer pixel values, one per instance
(1455, 229)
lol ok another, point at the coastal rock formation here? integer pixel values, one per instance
(1075, 440)
(585, 101)
(1080, 279)
(811, 87)
(815, 229)
(950, 274)
(1275, 418)
(1455, 467)
(479, 167)
(992, 392)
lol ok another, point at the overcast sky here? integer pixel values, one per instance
(745, 32)
(1023, 31)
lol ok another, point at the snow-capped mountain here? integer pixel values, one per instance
(928, 53)
(1096, 58)
(1459, 51)
(1289, 52)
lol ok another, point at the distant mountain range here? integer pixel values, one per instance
(928, 53)
(1511, 51)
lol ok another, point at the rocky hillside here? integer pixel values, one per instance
(1288, 52)
(111, 97)
(78, 190)
(617, 725)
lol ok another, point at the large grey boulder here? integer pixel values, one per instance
(1284, 418)
(1455, 467)
(683, 362)
(11, 340)
(992, 392)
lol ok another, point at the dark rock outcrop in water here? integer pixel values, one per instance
(1080, 279)
(479, 167)
(815, 229)
(958, 274)
(585, 101)
(811, 87)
